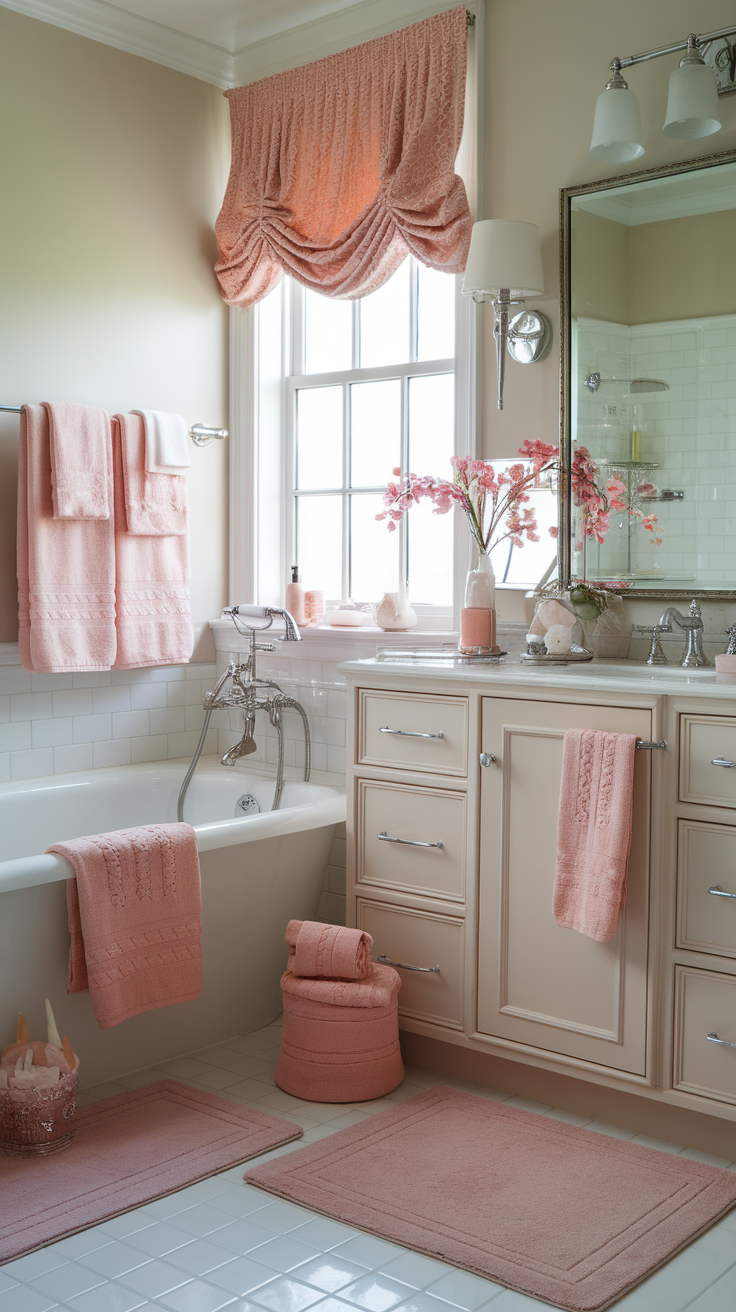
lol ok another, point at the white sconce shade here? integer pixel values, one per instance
(617, 134)
(504, 253)
(692, 101)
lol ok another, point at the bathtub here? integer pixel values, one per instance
(258, 871)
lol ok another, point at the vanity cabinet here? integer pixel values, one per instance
(453, 785)
(538, 983)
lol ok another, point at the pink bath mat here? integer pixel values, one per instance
(127, 1151)
(566, 1215)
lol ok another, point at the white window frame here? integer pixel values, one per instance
(260, 507)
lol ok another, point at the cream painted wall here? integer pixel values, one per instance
(113, 169)
(545, 65)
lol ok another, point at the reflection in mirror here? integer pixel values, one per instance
(651, 365)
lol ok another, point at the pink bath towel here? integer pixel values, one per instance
(378, 989)
(156, 505)
(328, 951)
(66, 568)
(594, 831)
(153, 608)
(81, 461)
(134, 918)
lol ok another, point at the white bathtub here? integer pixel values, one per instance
(257, 872)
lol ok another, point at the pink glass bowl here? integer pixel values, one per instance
(36, 1122)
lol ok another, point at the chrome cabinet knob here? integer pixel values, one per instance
(487, 759)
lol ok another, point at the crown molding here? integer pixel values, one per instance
(137, 36)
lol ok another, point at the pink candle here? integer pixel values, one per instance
(477, 627)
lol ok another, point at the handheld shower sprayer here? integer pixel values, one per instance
(247, 612)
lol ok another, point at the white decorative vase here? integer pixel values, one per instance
(395, 612)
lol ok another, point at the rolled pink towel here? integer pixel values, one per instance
(327, 951)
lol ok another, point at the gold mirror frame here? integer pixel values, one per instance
(567, 194)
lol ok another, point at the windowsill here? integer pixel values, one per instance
(324, 642)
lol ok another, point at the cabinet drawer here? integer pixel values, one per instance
(705, 742)
(705, 1004)
(411, 839)
(413, 732)
(419, 939)
(706, 858)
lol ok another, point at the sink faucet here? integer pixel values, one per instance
(693, 656)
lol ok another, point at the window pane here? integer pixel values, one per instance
(328, 334)
(524, 566)
(374, 551)
(384, 321)
(319, 543)
(435, 314)
(319, 437)
(430, 555)
(375, 431)
(431, 424)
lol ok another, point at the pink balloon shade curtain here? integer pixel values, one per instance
(343, 167)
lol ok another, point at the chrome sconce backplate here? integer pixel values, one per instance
(529, 337)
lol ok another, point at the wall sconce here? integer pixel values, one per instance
(504, 267)
(692, 102)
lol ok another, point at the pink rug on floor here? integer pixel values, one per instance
(128, 1150)
(566, 1215)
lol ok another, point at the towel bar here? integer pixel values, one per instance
(202, 435)
(642, 746)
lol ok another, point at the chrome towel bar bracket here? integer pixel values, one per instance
(661, 746)
(717, 891)
(202, 435)
(405, 842)
(407, 733)
(713, 1038)
(425, 970)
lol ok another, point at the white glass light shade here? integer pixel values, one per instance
(504, 253)
(692, 103)
(617, 134)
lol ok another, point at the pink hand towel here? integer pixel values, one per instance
(594, 831)
(154, 622)
(328, 951)
(81, 461)
(156, 505)
(134, 918)
(66, 568)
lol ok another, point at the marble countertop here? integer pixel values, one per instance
(594, 676)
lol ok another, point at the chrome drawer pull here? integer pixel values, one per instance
(486, 759)
(425, 970)
(713, 1038)
(717, 891)
(408, 733)
(727, 765)
(406, 842)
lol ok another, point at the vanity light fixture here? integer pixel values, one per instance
(505, 267)
(692, 102)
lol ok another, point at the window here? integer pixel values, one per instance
(370, 388)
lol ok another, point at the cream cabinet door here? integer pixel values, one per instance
(538, 984)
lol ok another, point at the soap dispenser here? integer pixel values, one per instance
(295, 599)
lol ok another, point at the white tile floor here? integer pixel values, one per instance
(222, 1244)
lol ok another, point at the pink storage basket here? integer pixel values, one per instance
(340, 1040)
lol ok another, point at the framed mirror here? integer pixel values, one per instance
(648, 384)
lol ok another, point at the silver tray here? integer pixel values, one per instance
(574, 657)
(439, 654)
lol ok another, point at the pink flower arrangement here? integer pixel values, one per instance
(495, 504)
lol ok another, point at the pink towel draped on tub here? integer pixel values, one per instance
(594, 831)
(134, 918)
(154, 622)
(66, 566)
(328, 951)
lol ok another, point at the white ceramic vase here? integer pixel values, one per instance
(395, 612)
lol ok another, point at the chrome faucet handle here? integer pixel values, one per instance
(656, 655)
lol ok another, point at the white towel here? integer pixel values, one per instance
(167, 444)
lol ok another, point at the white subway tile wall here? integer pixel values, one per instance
(56, 723)
(689, 431)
